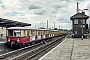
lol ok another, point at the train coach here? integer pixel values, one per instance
(21, 36)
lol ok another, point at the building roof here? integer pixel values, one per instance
(11, 23)
(79, 16)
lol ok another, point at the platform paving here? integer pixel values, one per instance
(70, 49)
(2, 40)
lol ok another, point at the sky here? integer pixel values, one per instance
(37, 12)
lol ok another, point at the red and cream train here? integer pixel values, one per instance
(20, 36)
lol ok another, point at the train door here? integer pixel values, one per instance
(38, 34)
(44, 34)
(32, 35)
(51, 33)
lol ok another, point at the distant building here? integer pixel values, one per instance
(79, 25)
(2, 31)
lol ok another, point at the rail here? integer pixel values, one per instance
(3, 56)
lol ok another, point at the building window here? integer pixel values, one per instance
(76, 21)
(83, 21)
(75, 32)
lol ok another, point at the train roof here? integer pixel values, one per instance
(23, 28)
(26, 28)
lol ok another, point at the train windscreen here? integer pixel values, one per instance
(10, 32)
(17, 33)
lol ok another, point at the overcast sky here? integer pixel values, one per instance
(37, 12)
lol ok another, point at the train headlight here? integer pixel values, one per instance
(8, 39)
(18, 40)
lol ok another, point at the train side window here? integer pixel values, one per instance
(10, 32)
(32, 33)
(38, 32)
(25, 33)
(43, 32)
(28, 33)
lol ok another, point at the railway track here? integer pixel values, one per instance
(43, 50)
(4, 49)
(33, 52)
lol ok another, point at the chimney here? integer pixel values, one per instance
(83, 13)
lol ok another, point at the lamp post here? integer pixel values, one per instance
(54, 25)
(82, 23)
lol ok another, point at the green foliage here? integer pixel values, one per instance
(70, 36)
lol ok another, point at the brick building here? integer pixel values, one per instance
(79, 25)
(2, 32)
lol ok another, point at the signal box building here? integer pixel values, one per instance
(79, 25)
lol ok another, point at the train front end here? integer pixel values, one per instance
(15, 37)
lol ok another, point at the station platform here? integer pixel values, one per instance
(2, 40)
(70, 49)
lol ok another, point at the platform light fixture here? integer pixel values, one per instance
(82, 21)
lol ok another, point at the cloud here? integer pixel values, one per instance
(39, 12)
(88, 7)
(0, 2)
(34, 6)
(16, 13)
(63, 20)
(60, 5)
(54, 11)
(41, 24)
(2, 6)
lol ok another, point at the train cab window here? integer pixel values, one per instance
(17, 33)
(10, 32)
